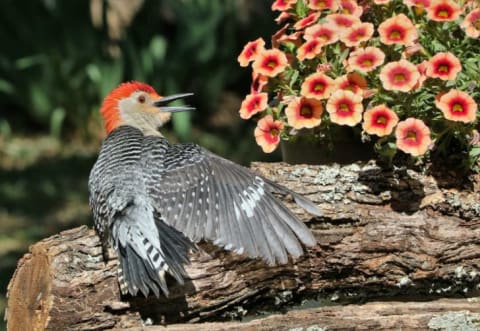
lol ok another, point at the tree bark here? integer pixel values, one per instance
(392, 235)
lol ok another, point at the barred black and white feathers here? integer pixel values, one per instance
(152, 200)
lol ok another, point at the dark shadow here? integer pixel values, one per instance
(405, 192)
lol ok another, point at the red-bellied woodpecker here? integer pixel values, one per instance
(152, 200)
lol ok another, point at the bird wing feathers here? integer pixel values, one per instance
(207, 197)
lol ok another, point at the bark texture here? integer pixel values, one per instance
(394, 235)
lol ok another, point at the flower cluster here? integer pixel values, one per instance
(406, 73)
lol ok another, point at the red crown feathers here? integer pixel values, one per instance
(109, 108)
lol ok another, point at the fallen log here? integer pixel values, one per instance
(386, 235)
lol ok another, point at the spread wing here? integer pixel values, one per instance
(208, 197)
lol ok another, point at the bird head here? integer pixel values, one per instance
(138, 105)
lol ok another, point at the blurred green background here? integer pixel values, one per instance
(58, 60)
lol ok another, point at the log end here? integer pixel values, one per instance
(28, 292)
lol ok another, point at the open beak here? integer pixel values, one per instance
(163, 102)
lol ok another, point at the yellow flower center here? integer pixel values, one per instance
(367, 63)
(306, 111)
(319, 87)
(457, 108)
(411, 135)
(381, 119)
(395, 34)
(274, 132)
(346, 11)
(359, 35)
(324, 37)
(343, 107)
(443, 13)
(271, 64)
(399, 77)
(321, 3)
(443, 68)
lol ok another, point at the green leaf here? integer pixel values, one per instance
(301, 9)
(294, 77)
(56, 121)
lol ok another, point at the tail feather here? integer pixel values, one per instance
(143, 264)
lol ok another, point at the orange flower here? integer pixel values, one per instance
(397, 30)
(250, 51)
(443, 10)
(379, 120)
(283, 17)
(317, 86)
(353, 82)
(304, 113)
(267, 133)
(457, 106)
(307, 21)
(323, 4)
(283, 5)
(310, 49)
(341, 22)
(365, 59)
(356, 34)
(471, 24)
(345, 108)
(413, 136)
(270, 62)
(418, 3)
(281, 36)
(422, 70)
(350, 7)
(412, 50)
(399, 76)
(258, 82)
(445, 66)
(252, 104)
(325, 32)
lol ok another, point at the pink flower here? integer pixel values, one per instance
(379, 120)
(445, 66)
(270, 62)
(353, 82)
(443, 10)
(413, 136)
(457, 106)
(341, 22)
(267, 133)
(350, 7)
(325, 32)
(307, 21)
(397, 30)
(304, 113)
(250, 51)
(417, 3)
(310, 49)
(365, 59)
(356, 34)
(317, 86)
(252, 104)
(399, 76)
(323, 5)
(283, 5)
(471, 24)
(345, 108)
(258, 83)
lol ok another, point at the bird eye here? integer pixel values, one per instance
(141, 99)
